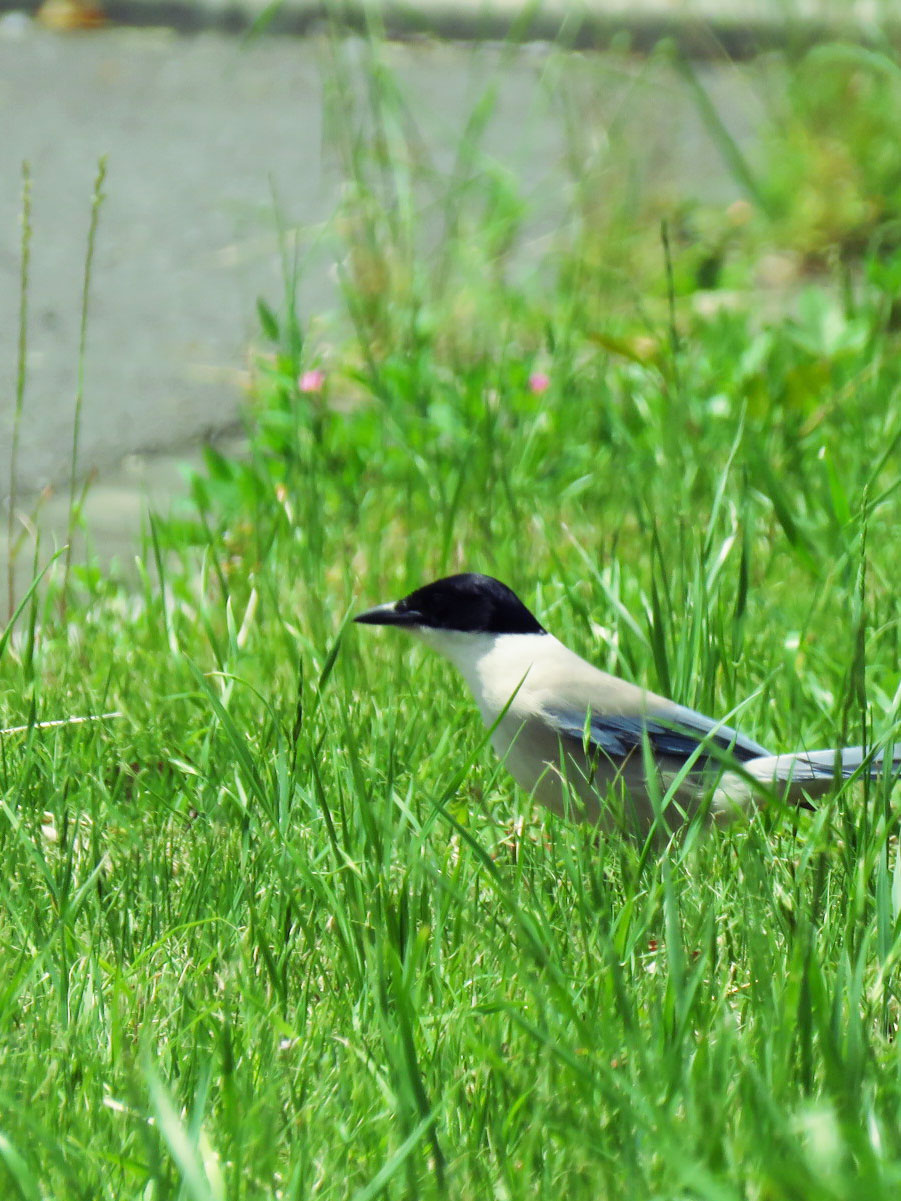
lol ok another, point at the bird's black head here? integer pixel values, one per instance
(469, 603)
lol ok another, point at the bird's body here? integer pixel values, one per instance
(521, 684)
(579, 739)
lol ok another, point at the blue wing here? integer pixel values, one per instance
(676, 734)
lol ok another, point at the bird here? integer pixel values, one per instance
(590, 746)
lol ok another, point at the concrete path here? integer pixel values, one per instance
(199, 135)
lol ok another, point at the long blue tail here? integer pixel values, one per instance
(815, 772)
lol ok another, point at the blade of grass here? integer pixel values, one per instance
(96, 203)
(22, 348)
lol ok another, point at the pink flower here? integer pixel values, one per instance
(539, 381)
(311, 381)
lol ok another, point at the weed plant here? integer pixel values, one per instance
(284, 928)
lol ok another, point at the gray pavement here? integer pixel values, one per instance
(198, 136)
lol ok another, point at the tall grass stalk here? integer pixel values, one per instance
(21, 371)
(96, 203)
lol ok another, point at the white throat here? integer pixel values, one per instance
(493, 665)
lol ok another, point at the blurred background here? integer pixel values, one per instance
(240, 166)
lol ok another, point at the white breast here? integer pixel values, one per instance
(513, 675)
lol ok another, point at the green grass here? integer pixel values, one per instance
(285, 928)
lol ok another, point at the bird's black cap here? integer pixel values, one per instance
(468, 602)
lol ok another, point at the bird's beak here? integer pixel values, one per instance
(389, 615)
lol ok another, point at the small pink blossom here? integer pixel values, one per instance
(311, 381)
(539, 381)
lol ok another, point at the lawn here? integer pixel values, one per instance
(283, 927)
